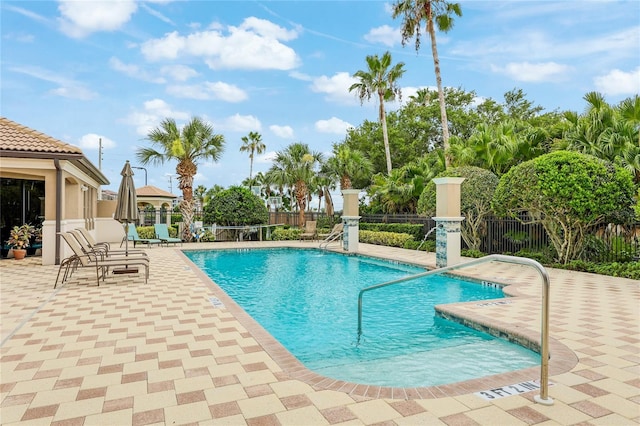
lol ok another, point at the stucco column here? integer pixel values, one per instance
(448, 219)
(350, 220)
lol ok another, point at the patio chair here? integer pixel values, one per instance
(102, 263)
(132, 235)
(162, 232)
(92, 242)
(310, 231)
(102, 249)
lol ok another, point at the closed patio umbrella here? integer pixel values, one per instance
(127, 204)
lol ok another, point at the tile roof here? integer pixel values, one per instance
(16, 137)
(152, 191)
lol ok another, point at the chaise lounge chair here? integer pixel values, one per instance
(102, 263)
(162, 232)
(132, 235)
(310, 231)
(102, 249)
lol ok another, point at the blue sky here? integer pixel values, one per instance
(84, 70)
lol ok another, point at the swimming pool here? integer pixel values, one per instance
(307, 299)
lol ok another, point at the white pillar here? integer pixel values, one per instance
(350, 220)
(448, 219)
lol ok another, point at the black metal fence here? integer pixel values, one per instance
(501, 235)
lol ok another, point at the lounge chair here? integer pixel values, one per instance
(162, 232)
(101, 248)
(91, 241)
(102, 263)
(310, 231)
(132, 235)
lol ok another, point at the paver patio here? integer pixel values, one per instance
(160, 353)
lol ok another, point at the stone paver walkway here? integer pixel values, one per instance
(127, 352)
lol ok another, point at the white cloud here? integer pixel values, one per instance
(81, 18)
(333, 125)
(134, 71)
(209, 91)
(267, 157)
(178, 72)
(255, 44)
(385, 35)
(29, 14)
(534, 72)
(239, 123)
(152, 113)
(68, 88)
(618, 82)
(300, 76)
(157, 14)
(336, 88)
(20, 37)
(285, 132)
(91, 141)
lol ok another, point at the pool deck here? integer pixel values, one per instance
(166, 353)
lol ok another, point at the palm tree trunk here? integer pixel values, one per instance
(385, 134)
(443, 109)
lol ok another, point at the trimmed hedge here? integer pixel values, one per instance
(391, 239)
(281, 234)
(415, 230)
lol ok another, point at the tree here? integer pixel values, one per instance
(630, 111)
(476, 193)
(252, 144)
(607, 132)
(380, 78)
(294, 167)
(399, 191)
(440, 11)
(195, 141)
(568, 193)
(348, 165)
(199, 193)
(236, 206)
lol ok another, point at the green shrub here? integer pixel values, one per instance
(282, 234)
(146, 231)
(476, 193)
(391, 239)
(629, 270)
(472, 253)
(429, 245)
(568, 193)
(236, 206)
(416, 230)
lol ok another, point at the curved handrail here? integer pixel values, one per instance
(543, 398)
(330, 239)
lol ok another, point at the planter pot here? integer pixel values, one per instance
(19, 253)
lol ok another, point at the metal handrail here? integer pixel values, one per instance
(543, 398)
(330, 239)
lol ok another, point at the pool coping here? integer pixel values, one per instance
(561, 358)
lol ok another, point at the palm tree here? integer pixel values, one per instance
(347, 165)
(252, 143)
(195, 141)
(440, 11)
(294, 167)
(630, 111)
(199, 194)
(380, 78)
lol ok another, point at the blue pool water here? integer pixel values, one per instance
(307, 299)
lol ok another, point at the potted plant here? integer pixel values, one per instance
(19, 240)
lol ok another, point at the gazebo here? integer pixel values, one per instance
(157, 200)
